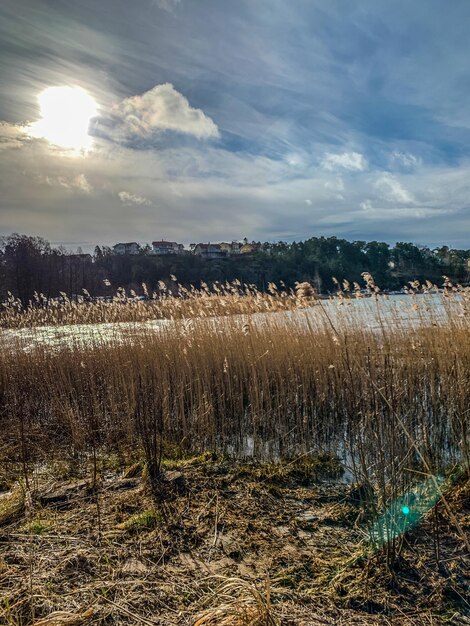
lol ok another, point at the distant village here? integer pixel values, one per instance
(30, 264)
(206, 250)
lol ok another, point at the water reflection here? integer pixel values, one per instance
(367, 313)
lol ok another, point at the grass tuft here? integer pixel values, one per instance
(141, 522)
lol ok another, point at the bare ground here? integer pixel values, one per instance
(232, 545)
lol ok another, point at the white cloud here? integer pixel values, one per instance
(78, 182)
(129, 199)
(336, 187)
(295, 159)
(352, 161)
(404, 159)
(11, 136)
(168, 5)
(159, 109)
(392, 190)
(202, 184)
(391, 214)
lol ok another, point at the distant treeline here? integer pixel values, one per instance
(31, 264)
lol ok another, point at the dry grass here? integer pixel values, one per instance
(393, 398)
(240, 603)
(231, 550)
(390, 399)
(12, 505)
(172, 302)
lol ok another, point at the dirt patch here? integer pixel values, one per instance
(232, 545)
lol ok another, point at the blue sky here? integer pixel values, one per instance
(260, 118)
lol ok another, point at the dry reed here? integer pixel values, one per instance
(389, 398)
(166, 302)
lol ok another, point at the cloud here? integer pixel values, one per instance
(336, 187)
(370, 115)
(12, 135)
(399, 214)
(336, 184)
(162, 108)
(129, 199)
(134, 121)
(168, 5)
(295, 160)
(405, 160)
(352, 161)
(78, 182)
(392, 191)
(264, 198)
(81, 183)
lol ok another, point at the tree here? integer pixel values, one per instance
(378, 260)
(25, 270)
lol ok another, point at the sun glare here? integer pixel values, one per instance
(65, 117)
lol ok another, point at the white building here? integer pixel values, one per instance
(127, 248)
(167, 247)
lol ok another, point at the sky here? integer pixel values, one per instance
(218, 120)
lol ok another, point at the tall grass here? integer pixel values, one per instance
(172, 301)
(279, 386)
(390, 398)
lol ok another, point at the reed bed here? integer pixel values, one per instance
(169, 302)
(392, 397)
(385, 401)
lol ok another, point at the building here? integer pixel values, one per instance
(249, 248)
(80, 258)
(167, 247)
(231, 248)
(127, 248)
(209, 250)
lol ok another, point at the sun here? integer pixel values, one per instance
(65, 117)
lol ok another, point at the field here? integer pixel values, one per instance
(258, 459)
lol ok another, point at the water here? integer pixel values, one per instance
(387, 311)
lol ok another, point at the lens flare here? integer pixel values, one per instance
(407, 510)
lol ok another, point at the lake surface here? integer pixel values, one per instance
(368, 313)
